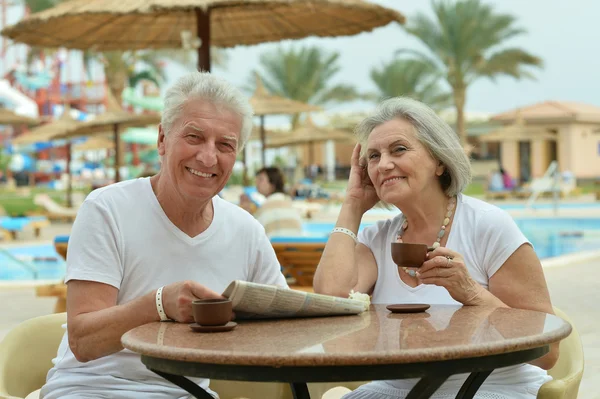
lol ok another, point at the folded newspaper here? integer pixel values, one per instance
(261, 301)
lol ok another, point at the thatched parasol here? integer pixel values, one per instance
(518, 131)
(8, 117)
(59, 128)
(49, 131)
(310, 134)
(264, 103)
(104, 25)
(96, 143)
(116, 118)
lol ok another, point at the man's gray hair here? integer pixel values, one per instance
(213, 89)
(432, 131)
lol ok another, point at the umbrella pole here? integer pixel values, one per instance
(203, 29)
(70, 176)
(311, 154)
(262, 140)
(244, 162)
(117, 153)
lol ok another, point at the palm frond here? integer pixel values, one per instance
(337, 93)
(512, 62)
(40, 5)
(137, 77)
(464, 38)
(303, 74)
(415, 78)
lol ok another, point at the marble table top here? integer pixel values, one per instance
(373, 337)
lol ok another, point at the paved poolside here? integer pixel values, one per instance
(574, 289)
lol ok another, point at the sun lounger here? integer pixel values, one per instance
(54, 210)
(499, 194)
(16, 224)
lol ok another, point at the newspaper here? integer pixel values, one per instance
(261, 301)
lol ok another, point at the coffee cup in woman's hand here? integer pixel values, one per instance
(408, 254)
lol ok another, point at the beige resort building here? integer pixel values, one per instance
(532, 137)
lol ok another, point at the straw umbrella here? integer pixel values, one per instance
(8, 117)
(63, 126)
(518, 131)
(96, 143)
(114, 118)
(51, 130)
(105, 25)
(264, 103)
(310, 134)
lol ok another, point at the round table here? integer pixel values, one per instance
(375, 345)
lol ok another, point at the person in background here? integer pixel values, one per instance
(507, 181)
(495, 181)
(277, 213)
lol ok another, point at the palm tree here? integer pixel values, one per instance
(120, 71)
(464, 42)
(412, 78)
(304, 74)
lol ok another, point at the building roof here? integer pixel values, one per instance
(552, 111)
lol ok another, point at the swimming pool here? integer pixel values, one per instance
(550, 236)
(560, 236)
(550, 206)
(31, 263)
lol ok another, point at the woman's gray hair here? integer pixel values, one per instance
(432, 131)
(213, 89)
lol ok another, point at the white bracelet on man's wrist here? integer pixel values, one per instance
(159, 305)
(346, 231)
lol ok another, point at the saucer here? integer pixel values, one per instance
(208, 329)
(408, 308)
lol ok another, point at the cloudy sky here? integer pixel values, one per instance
(565, 34)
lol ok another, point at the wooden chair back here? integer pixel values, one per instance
(299, 260)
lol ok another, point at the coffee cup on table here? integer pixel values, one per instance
(212, 312)
(409, 255)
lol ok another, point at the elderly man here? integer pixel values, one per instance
(143, 250)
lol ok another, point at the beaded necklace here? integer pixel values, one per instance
(404, 226)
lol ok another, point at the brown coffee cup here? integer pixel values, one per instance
(212, 312)
(409, 255)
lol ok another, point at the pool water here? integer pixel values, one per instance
(550, 206)
(553, 237)
(39, 262)
(550, 237)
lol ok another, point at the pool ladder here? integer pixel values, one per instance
(25, 265)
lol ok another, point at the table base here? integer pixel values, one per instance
(432, 374)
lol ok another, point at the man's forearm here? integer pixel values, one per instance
(97, 334)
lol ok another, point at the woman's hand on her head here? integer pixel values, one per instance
(447, 269)
(360, 189)
(178, 297)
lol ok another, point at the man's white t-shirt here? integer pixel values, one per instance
(123, 238)
(486, 236)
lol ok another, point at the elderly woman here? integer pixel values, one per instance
(408, 157)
